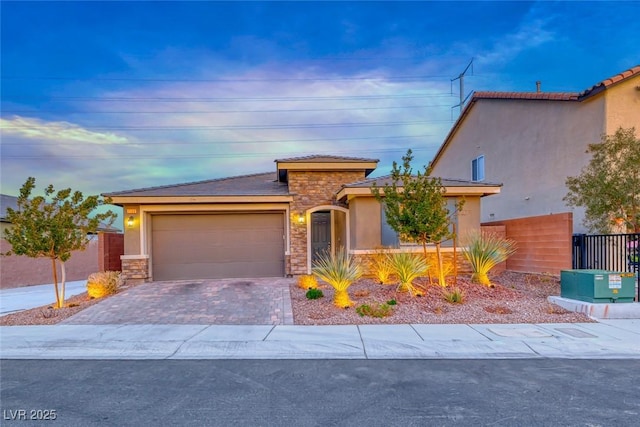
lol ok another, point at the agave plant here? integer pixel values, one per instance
(408, 267)
(484, 251)
(339, 270)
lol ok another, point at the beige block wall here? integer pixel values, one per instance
(17, 271)
(544, 243)
(311, 189)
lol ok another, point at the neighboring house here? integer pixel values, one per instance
(6, 201)
(263, 225)
(532, 141)
(22, 271)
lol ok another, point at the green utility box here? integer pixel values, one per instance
(597, 286)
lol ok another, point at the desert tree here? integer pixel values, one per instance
(53, 226)
(608, 187)
(416, 207)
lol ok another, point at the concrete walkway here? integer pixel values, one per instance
(609, 339)
(26, 297)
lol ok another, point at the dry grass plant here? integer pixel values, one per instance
(382, 268)
(103, 283)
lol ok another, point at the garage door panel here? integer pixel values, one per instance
(217, 246)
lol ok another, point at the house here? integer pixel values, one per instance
(263, 225)
(532, 141)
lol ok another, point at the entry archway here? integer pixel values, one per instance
(327, 230)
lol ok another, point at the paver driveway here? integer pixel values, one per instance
(208, 302)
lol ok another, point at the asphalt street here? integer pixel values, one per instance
(541, 392)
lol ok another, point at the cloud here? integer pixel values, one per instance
(37, 129)
(531, 34)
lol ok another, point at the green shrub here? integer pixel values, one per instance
(103, 283)
(314, 293)
(374, 310)
(454, 296)
(408, 267)
(392, 302)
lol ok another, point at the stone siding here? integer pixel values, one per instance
(311, 189)
(135, 270)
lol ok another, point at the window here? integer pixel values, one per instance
(477, 169)
(389, 238)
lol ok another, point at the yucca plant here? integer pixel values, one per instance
(339, 270)
(382, 269)
(408, 267)
(484, 251)
(454, 296)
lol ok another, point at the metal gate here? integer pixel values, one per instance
(614, 252)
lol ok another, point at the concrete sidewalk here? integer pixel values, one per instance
(609, 339)
(26, 297)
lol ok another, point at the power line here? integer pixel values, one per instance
(230, 99)
(291, 110)
(206, 155)
(235, 127)
(272, 141)
(223, 80)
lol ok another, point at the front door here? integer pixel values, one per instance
(320, 233)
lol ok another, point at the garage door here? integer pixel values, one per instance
(217, 246)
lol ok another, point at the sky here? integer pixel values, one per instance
(110, 96)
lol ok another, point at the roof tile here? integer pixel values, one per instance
(261, 184)
(381, 181)
(325, 159)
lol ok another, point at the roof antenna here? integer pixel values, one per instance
(463, 99)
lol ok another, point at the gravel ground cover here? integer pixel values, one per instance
(516, 298)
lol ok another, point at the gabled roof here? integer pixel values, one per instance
(260, 184)
(324, 163)
(381, 181)
(453, 187)
(606, 83)
(539, 96)
(325, 159)
(535, 96)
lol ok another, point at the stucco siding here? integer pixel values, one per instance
(622, 103)
(365, 216)
(469, 216)
(530, 147)
(132, 234)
